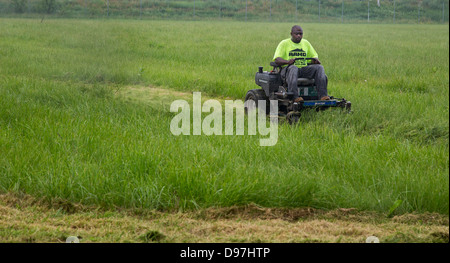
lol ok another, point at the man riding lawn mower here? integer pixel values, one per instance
(296, 67)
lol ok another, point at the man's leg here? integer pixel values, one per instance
(316, 72)
(290, 76)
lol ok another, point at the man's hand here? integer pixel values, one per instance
(315, 61)
(291, 61)
(281, 61)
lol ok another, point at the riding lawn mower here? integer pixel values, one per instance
(274, 88)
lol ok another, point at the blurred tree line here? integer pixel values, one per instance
(423, 11)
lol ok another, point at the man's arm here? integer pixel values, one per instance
(280, 54)
(281, 61)
(312, 53)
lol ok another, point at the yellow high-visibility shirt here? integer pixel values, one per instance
(288, 50)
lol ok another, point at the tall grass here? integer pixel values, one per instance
(65, 134)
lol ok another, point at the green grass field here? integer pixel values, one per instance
(73, 127)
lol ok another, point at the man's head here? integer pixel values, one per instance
(296, 34)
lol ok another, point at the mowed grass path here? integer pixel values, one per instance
(66, 134)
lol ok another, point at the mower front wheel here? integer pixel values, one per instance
(257, 95)
(293, 117)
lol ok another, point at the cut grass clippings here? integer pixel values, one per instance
(26, 219)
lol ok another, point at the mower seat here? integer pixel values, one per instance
(305, 82)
